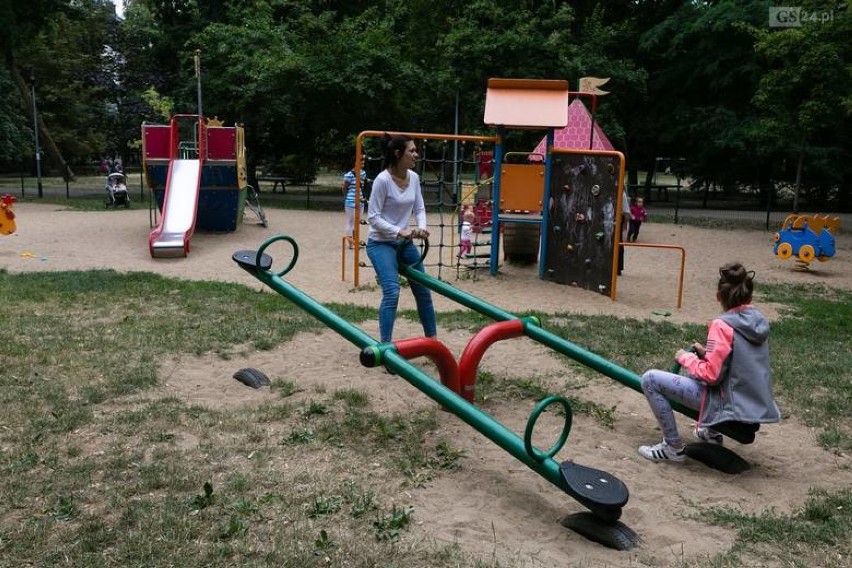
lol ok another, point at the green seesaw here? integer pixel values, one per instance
(715, 456)
(600, 492)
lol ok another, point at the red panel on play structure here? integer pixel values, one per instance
(221, 143)
(485, 165)
(156, 141)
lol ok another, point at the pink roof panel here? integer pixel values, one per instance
(577, 134)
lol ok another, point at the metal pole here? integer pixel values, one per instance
(545, 219)
(496, 223)
(456, 184)
(35, 131)
(198, 79)
(768, 205)
(677, 199)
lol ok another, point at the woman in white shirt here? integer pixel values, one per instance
(395, 197)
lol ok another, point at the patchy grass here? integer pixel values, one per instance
(97, 468)
(815, 535)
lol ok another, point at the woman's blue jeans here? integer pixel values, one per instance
(383, 256)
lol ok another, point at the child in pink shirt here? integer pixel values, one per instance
(466, 234)
(637, 216)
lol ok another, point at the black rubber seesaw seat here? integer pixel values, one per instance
(600, 492)
(247, 260)
(604, 495)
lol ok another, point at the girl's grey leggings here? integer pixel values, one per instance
(659, 386)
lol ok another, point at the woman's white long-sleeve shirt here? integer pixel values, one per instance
(391, 207)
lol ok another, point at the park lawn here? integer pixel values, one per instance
(79, 364)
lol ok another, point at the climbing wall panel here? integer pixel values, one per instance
(582, 217)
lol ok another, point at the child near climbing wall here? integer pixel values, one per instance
(466, 234)
(729, 377)
(638, 215)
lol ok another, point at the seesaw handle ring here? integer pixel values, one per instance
(402, 247)
(535, 453)
(676, 366)
(293, 260)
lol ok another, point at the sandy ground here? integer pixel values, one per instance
(495, 507)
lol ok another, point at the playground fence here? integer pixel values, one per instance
(666, 202)
(679, 204)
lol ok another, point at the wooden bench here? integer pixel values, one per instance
(283, 181)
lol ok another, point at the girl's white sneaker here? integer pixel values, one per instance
(662, 452)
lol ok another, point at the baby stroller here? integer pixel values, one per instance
(116, 189)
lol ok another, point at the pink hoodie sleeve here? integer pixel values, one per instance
(720, 341)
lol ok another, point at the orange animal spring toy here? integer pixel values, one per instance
(7, 216)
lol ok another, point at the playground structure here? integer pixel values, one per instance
(7, 216)
(196, 172)
(806, 237)
(558, 206)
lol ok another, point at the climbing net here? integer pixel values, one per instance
(456, 174)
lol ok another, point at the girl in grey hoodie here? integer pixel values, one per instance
(729, 377)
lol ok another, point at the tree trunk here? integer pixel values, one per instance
(649, 177)
(798, 185)
(632, 177)
(50, 146)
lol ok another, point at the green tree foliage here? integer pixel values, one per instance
(61, 46)
(15, 137)
(702, 74)
(804, 100)
(710, 82)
